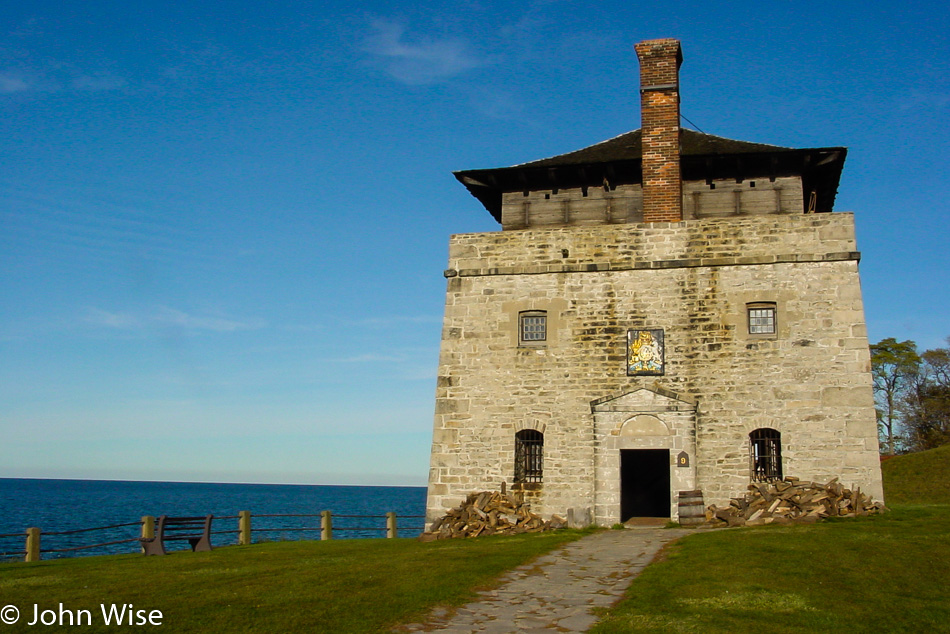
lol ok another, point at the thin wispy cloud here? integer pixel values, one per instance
(370, 358)
(420, 60)
(106, 319)
(303, 328)
(85, 221)
(164, 317)
(197, 59)
(920, 100)
(12, 82)
(396, 320)
(57, 80)
(498, 104)
(95, 83)
(403, 365)
(181, 319)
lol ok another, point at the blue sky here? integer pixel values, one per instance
(223, 225)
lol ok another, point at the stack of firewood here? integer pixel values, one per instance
(790, 501)
(490, 513)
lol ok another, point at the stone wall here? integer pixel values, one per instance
(810, 381)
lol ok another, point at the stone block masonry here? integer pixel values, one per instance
(695, 279)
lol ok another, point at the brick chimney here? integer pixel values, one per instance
(660, 124)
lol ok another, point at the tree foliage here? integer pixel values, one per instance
(894, 366)
(912, 395)
(927, 404)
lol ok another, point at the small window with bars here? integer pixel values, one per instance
(529, 455)
(761, 318)
(765, 455)
(532, 327)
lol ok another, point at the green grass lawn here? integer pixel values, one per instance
(885, 573)
(337, 586)
(918, 478)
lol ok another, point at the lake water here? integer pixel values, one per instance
(61, 505)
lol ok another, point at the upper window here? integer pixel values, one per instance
(765, 455)
(762, 318)
(529, 448)
(532, 327)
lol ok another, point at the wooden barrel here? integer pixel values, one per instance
(692, 511)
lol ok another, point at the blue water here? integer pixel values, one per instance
(59, 505)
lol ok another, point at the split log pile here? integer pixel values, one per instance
(490, 513)
(791, 501)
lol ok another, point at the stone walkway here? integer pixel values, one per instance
(558, 591)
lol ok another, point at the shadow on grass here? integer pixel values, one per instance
(883, 573)
(365, 585)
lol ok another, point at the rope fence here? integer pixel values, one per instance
(65, 541)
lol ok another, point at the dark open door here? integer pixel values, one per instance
(644, 483)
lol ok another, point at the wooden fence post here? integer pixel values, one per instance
(244, 528)
(148, 528)
(326, 525)
(32, 544)
(391, 525)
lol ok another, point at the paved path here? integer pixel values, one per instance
(557, 591)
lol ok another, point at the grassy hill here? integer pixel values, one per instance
(345, 586)
(918, 478)
(875, 574)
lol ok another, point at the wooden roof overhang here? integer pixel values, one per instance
(704, 158)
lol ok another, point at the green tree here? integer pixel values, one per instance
(894, 365)
(927, 402)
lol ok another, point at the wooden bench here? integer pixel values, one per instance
(195, 530)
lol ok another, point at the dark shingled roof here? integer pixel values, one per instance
(703, 157)
(627, 147)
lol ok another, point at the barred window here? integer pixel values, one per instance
(532, 327)
(765, 455)
(529, 449)
(761, 318)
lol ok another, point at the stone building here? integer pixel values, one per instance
(664, 311)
